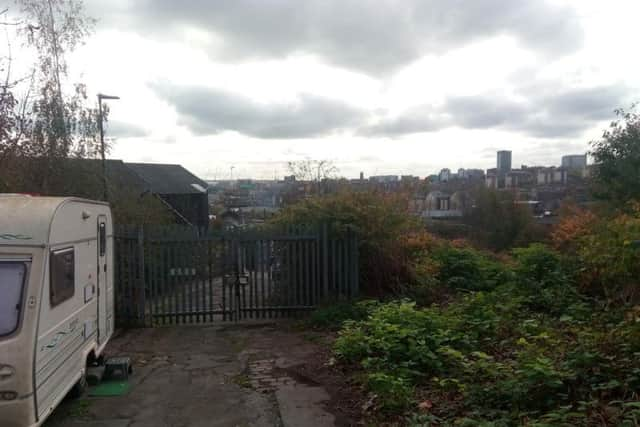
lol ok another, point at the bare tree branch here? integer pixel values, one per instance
(5, 23)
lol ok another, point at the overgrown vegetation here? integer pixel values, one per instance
(527, 348)
(388, 236)
(539, 335)
(498, 223)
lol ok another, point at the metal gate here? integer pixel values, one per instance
(178, 275)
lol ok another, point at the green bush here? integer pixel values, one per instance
(538, 266)
(493, 358)
(395, 338)
(393, 393)
(332, 315)
(466, 268)
(543, 277)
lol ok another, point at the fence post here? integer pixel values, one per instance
(241, 296)
(355, 260)
(141, 276)
(325, 262)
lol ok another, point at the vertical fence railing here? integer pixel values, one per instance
(178, 275)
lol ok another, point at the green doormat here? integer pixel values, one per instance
(110, 388)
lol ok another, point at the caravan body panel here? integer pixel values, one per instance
(69, 299)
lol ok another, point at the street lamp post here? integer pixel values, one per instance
(105, 193)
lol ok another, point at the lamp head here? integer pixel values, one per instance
(102, 96)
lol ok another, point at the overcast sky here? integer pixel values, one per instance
(380, 86)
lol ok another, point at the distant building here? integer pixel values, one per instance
(361, 176)
(518, 178)
(445, 175)
(552, 176)
(384, 179)
(439, 204)
(409, 179)
(504, 161)
(471, 174)
(575, 162)
(491, 179)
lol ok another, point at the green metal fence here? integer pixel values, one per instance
(179, 275)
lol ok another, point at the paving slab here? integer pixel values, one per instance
(194, 376)
(98, 423)
(302, 405)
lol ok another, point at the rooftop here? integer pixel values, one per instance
(168, 179)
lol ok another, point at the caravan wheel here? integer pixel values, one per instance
(79, 388)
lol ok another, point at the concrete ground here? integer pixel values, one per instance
(194, 376)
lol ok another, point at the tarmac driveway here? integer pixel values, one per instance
(197, 376)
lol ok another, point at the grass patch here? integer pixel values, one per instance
(79, 409)
(242, 380)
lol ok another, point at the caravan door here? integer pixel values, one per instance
(102, 276)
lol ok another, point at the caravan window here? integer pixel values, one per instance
(12, 275)
(62, 279)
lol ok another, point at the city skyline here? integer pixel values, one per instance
(362, 175)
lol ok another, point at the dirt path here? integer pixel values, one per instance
(216, 376)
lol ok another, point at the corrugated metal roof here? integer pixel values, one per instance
(168, 179)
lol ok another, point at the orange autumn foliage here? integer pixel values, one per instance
(575, 223)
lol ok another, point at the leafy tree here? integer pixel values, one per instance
(8, 107)
(42, 133)
(7, 125)
(617, 159)
(49, 123)
(312, 170)
(499, 222)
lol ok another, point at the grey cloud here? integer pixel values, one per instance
(481, 112)
(561, 112)
(121, 129)
(548, 112)
(416, 120)
(368, 159)
(374, 37)
(208, 111)
(595, 103)
(549, 152)
(469, 112)
(546, 127)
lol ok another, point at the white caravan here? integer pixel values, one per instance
(56, 300)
